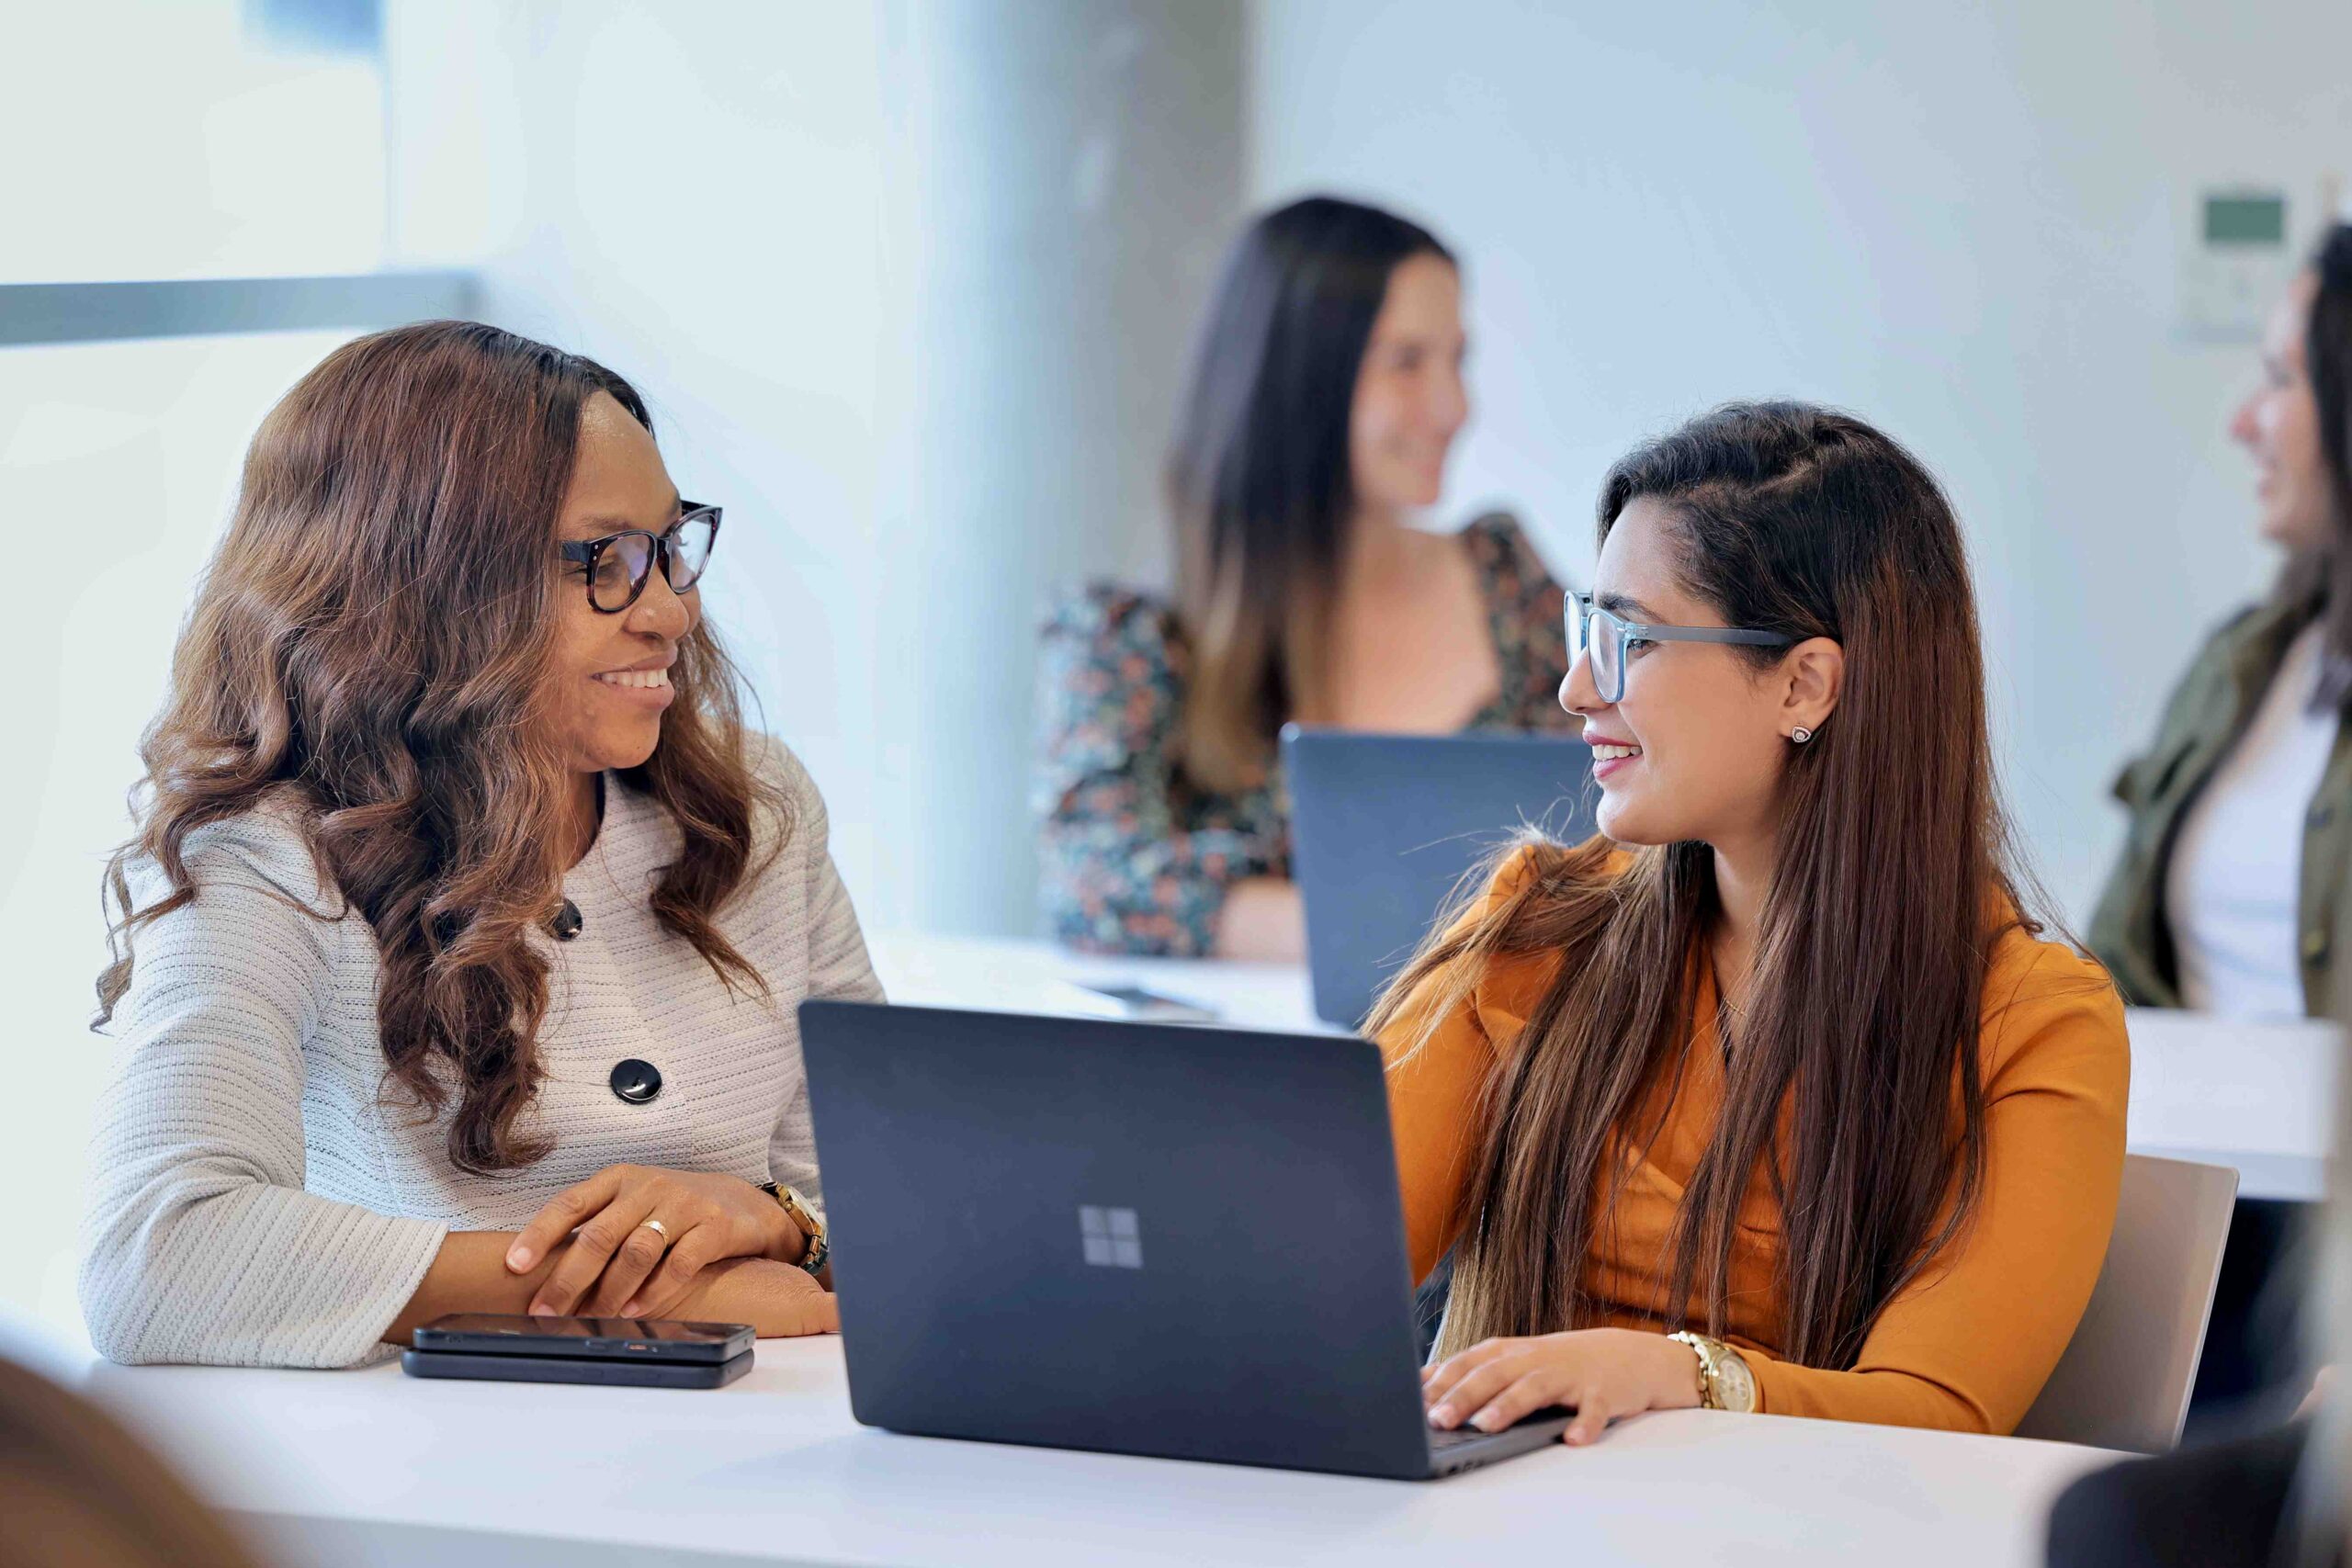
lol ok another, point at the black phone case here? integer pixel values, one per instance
(574, 1369)
(616, 1347)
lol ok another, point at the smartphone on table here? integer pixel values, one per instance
(1145, 1006)
(637, 1352)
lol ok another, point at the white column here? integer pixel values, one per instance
(1072, 171)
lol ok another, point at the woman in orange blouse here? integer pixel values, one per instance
(1779, 1062)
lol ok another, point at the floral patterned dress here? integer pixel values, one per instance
(1134, 858)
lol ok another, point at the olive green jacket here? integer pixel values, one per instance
(2209, 711)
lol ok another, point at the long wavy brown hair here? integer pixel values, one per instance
(1892, 885)
(368, 652)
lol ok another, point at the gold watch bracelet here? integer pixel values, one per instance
(816, 1244)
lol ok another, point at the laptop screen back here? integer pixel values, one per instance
(1117, 1236)
(1384, 828)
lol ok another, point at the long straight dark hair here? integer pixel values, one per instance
(2321, 1501)
(2320, 580)
(1863, 1027)
(1258, 480)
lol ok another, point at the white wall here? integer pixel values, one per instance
(217, 156)
(1961, 221)
(121, 459)
(697, 196)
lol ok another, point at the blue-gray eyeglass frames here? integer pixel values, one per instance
(1618, 635)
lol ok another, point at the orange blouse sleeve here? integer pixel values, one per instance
(1968, 1346)
(1438, 1072)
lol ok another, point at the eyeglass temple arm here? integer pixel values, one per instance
(1634, 631)
(1740, 635)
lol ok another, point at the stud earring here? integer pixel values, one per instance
(1800, 735)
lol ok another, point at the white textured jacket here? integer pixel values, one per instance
(257, 1200)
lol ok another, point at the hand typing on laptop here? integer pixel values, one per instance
(1601, 1374)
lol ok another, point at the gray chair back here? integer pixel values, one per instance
(2125, 1378)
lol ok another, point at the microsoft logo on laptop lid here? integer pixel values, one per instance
(1111, 1237)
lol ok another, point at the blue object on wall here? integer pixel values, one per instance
(351, 27)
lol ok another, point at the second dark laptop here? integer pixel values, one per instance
(1384, 827)
(1126, 1237)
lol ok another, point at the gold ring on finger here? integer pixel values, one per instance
(658, 1228)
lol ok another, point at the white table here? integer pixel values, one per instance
(1036, 977)
(2257, 1097)
(374, 1468)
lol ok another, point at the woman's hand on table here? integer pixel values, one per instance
(619, 1266)
(1601, 1374)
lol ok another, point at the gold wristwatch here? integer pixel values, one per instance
(805, 1214)
(1724, 1381)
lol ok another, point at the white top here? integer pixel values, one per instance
(254, 1201)
(2233, 893)
(380, 1467)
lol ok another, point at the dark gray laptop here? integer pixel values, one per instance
(1126, 1237)
(1384, 827)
